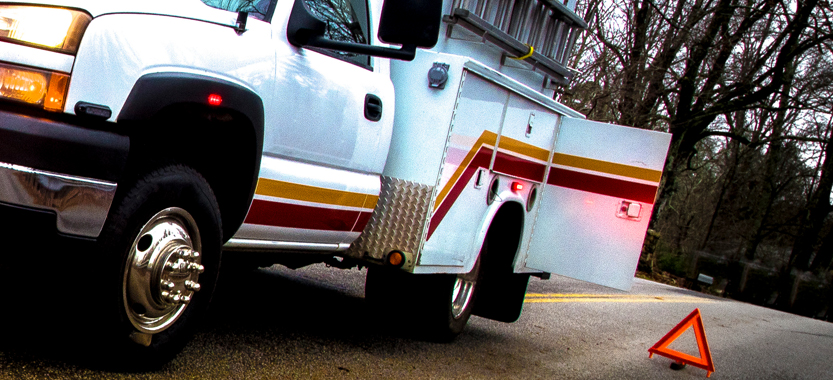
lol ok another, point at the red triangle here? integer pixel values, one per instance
(705, 359)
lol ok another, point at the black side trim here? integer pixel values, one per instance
(153, 93)
(60, 147)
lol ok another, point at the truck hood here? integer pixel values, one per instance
(192, 9)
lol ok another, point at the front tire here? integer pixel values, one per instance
(162, 243)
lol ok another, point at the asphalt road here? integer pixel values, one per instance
(313, 323)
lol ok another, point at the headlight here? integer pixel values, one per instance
(55, 28)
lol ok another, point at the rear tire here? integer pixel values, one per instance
(436, 306)
(161, 248)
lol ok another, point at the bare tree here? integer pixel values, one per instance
(683, 65)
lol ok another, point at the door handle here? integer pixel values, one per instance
(372, 107)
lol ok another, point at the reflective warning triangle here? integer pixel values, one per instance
(704, 361)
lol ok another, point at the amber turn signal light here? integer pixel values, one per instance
(395, 258)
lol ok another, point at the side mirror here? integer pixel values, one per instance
(408, 23)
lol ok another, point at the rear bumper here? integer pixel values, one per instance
(58, 167)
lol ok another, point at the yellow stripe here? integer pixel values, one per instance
(523, 148)
(580, 295)
(607, 167)
(487, 137)
(621, 298)
(370, 201)
(519, 147)
(288, 190)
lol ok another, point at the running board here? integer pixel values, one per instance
(267, 245)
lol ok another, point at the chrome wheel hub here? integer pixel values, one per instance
(462, 291)
(162, 271)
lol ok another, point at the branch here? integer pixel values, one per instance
(611, 47)
(799, 138)
(672, 23)
(733, 136)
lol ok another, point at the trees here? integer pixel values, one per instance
(733, 82)
(683, 64)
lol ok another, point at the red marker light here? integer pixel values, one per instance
(215, 100)
(517, 186)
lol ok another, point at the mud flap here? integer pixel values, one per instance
(501, 297)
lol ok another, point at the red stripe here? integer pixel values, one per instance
(364, 218)
(533, 171)
(519, 167)
(481, 159)
(603, 185)
(296, 216)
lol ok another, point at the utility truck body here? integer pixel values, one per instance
(418, 139)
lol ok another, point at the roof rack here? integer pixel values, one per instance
(542, 32)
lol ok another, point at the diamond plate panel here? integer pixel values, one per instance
(398, 221)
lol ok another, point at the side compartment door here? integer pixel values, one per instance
(595, 208)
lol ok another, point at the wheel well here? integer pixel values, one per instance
(220, 144)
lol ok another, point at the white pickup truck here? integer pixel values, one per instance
(172, 136)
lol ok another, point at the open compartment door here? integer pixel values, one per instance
(599, 197)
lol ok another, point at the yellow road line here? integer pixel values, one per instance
(621, 298)
(583, 295)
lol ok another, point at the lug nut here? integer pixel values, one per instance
(194, 267)
(195, 255)
(185, 299)
(168, 285)
(185, 253)
(191, 285)
(172, 297)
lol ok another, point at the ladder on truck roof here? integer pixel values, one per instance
(547, 26)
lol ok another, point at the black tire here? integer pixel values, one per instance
(159, 192)
(423, 303)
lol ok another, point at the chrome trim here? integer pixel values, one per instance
(521, 89)
(81, 204)
(268, 245)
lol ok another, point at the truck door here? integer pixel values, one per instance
(327, 132)
(595, 208)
